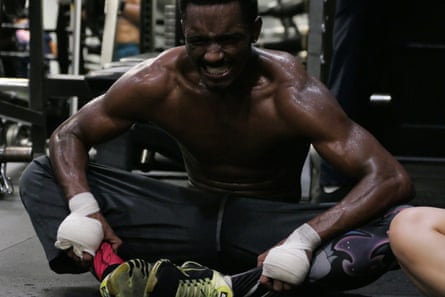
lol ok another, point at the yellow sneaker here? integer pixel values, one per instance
(137, 278)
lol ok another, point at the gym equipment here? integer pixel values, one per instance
(12, 8)
(11, 154)
(16, 103)
(14, 147)
(285, 11)
(15, 154)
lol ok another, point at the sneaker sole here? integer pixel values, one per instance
(130, 280)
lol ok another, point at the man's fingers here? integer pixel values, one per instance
(86, 261)
(86, 257)
(286, 287)
(274, 285)
(113, 240)
(266, 282)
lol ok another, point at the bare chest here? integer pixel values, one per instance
(241, 138)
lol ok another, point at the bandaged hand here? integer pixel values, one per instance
(289, 262)
(77, 230)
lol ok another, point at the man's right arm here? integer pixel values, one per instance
(71, 141)
(102, 119)
(69, 146)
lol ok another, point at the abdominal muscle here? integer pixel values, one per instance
(273, 184)
(126, 32)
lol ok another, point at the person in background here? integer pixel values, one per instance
(127, 42)
(360, 40)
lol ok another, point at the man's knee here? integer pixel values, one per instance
(35, 180)
(33, 169)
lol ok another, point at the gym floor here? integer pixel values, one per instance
(24, 271)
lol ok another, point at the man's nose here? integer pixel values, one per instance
(214, 53)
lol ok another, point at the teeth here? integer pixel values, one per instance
(217, 70)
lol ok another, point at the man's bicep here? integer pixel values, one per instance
(349, 149)
(99, 121)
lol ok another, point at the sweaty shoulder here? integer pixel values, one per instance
(301, 101)
(158, 72)
(149, 83)
(283, 68)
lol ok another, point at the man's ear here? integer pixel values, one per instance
(256, 30)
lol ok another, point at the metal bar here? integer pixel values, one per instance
(111, 9)
(148, 25)
(415, 159)
(15, 154)
(14, 84)
(36, 78)
(76, 50)
(77, 35)
(22, 114)
(68, 85)
(315, 40)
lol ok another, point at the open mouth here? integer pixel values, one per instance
(217, 72)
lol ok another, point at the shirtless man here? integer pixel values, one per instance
(244, 118)
(127, 30)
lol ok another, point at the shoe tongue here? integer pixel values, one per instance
(167, 277)
(247, 282)
(195, 270)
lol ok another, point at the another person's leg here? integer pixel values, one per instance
(417, 237)
(154, 219)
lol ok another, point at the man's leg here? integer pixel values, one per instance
(154, 219)
(349, 261)
(252, 226)
(45, 203)
(356, 258)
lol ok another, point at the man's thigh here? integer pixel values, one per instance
(252, 226)
(153, 218)
(156, 219)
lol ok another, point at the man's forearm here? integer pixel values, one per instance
(364, 202)
(69, 160)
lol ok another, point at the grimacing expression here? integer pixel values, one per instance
(218, 42)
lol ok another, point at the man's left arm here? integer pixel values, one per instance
(382, 182)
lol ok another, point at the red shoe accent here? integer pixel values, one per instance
(105, 257)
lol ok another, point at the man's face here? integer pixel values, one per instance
(218, 42)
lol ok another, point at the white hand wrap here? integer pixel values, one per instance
(83, 204)
(82, 233)
(289, 262)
